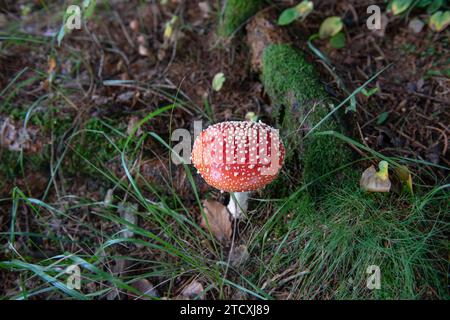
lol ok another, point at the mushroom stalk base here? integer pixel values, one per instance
(238, 204)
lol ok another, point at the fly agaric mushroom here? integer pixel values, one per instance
(238, 157)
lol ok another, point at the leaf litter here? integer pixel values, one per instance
(217, 220)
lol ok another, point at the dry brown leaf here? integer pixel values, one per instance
(205, 9)
(16, 137)
(134, 25)
(384, 22)
(126, 97)
(218, 219)
(128, 213)
(109, 197)
(132, 123)
(141, 39)
(416, 25)
(192, 290)
(238, 255)
(116, 270)
(146, 289)
(143, 50)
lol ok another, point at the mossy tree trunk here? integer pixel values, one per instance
(299, 102)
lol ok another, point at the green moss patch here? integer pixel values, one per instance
(236, 13)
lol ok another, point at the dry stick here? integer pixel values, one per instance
(429, 97)
(444, 151)
(124, 30)
(413, 141)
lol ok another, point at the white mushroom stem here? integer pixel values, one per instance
(238, 204)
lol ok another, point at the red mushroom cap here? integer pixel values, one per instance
(238, 156)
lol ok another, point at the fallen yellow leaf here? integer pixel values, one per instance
(404, 175)
(374, 181)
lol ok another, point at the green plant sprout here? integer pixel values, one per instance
(383, 170)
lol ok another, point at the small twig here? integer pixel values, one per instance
(429, 97)
(444, 151)
(413, 141)
(124, 30)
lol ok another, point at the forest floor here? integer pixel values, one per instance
(67, 113)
